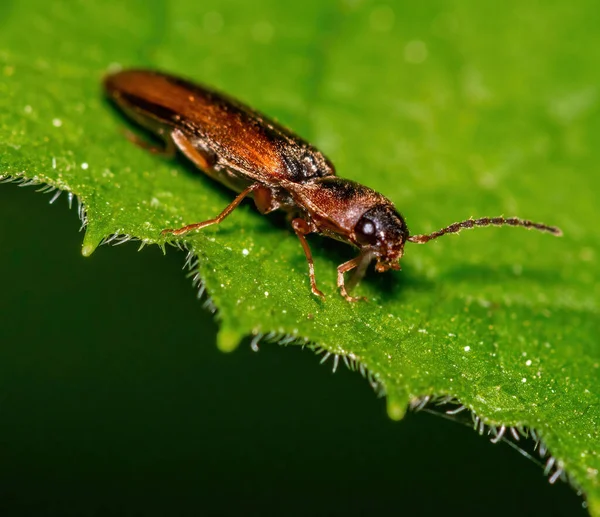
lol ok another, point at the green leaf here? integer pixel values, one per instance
(450, 109)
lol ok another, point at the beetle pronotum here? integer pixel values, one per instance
(257, 157)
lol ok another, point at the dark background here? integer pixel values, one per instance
(115, 400)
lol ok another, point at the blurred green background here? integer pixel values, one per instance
(115, 401)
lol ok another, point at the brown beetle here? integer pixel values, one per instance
(256, 156)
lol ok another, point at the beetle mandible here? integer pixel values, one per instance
(255, 156)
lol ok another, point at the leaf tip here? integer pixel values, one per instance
(228, 340)
(396, 409)
(87, 249)
(90, 242)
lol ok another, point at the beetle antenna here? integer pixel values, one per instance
(486, 221)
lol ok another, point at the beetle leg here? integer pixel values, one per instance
(230, 208)
(168, 150)
(302, 228)
(203, 160)
(344, 268)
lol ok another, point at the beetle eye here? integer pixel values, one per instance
(366, 231)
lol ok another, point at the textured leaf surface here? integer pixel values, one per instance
(449, 109)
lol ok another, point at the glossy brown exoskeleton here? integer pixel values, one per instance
(255, 156)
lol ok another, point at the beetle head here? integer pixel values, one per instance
(382, 231)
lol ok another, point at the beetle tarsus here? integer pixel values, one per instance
(316, 291)
(350, 298)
